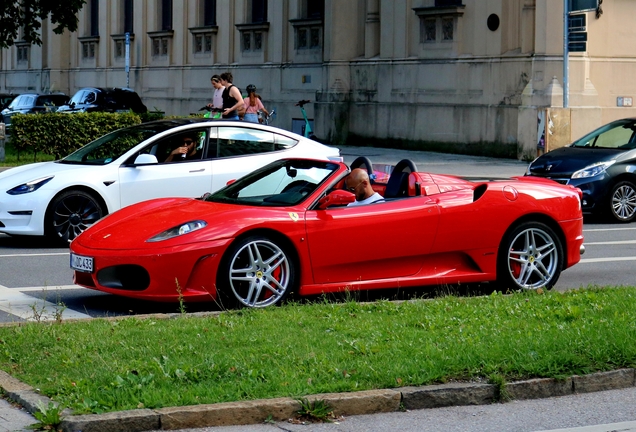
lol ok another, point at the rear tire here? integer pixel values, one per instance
(256, 272)
(70, 214)
(530, 257)
(622, 202)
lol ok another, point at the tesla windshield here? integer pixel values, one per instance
(109, 147)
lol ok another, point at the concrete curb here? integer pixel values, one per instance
(347, 404)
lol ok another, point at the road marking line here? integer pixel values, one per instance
(597, 260)
(22, 305)
(35, 255)
(617, 242)
(49, 288)
(608, 229)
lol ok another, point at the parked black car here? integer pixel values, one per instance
(92, 99)
(33, 103)
(5, 99)
(602, 164)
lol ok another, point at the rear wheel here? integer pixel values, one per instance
(70, 213)
(256, 272)
(530, 257)
(622, 202)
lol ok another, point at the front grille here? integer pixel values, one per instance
(125, 277)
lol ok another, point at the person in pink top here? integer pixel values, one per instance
(253, 105)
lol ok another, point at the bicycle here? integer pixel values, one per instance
(308, 133)
(267, 119)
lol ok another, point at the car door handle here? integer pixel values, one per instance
(199, 170)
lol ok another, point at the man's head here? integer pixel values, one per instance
(359, 184)
(226, 78)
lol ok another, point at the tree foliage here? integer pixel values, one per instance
(28, 15)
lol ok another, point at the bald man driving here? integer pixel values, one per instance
(358, 182)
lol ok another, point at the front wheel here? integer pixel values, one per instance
(70, 213)
(256, 272)
(622, 202)
(530, 257)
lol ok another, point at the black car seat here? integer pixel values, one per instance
(398, 183)
(364, 163)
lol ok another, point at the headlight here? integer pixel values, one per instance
(182, 229)
(593, 170)
(30, 186)
(529, 165)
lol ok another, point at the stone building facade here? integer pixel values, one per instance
(476, 76)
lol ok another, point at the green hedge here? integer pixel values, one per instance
(59, 134)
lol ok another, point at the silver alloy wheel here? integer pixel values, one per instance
(624, 202)
(533, 258)
(260, 274)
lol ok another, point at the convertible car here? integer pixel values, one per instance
(286, 228)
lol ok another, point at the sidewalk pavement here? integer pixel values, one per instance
(281, 409)
(440, 163)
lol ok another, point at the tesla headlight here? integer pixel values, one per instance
(593, 170)
(179, 230)
(29, 186)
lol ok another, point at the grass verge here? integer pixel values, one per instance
(296, 350)
(12, 158)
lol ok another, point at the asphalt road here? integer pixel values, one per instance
(36, 281)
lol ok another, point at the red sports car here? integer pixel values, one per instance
(286, 228)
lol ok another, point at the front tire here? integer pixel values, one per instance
(622, 202)
(530, 257)
(256, 272)
(70, 213)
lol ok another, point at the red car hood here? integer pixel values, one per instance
(131, 227)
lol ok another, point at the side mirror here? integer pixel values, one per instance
(144, 159)
(229, 182)
(338, 197)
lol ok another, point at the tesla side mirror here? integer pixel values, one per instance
(338, 197)
(145, 159)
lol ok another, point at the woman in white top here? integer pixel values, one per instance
(253, 105)
(217, 99)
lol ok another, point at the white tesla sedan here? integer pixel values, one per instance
(179, 157)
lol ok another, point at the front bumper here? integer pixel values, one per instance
(21, 214)
(185, 272)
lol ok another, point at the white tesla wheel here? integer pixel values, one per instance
(70, 213)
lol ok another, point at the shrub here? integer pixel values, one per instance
(59, 134)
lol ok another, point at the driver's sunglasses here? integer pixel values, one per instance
(353, 188)
(188, 141)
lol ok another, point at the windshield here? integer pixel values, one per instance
(281, 183)
(616, 135)
(111, 146)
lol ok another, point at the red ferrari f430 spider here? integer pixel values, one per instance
(286, 228)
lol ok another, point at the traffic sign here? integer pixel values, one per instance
(577, 37)
(582, 5)
(577, 22)
(577, 46)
